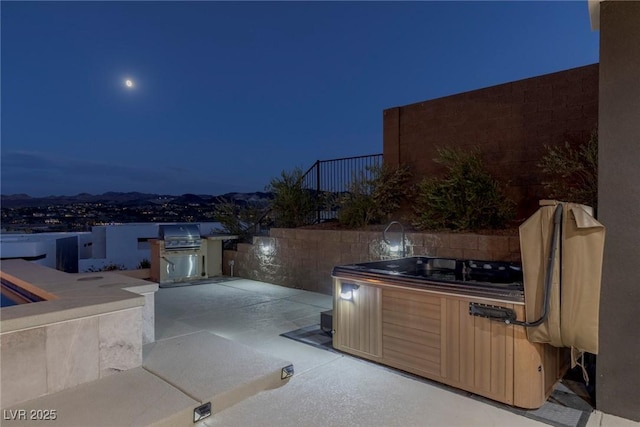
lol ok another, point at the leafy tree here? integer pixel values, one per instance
(572, 171)
(292, 204)
(373, 195)
(238, 219)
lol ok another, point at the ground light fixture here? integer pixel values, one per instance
(201, 412)
(348, 291)
(287, 372)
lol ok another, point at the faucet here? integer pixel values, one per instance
(384, 235)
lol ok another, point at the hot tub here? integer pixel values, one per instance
(471, 277)
(424, 315)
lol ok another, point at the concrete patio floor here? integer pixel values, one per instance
(328, 389)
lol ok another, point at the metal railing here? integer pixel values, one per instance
(324, 178)
(333, 177)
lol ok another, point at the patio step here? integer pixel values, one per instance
(209, 368)
(181, 379)
(131, 398)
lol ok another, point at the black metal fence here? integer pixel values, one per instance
(333, 177)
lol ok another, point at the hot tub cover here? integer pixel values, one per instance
(575, 290)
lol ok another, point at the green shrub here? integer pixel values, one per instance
(144, 264)
(292, 205)
(356, 207)
(466, 198)
(571, 171)
(238, 219)
(107, 267)
(373, 195)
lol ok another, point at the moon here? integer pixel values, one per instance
(128, 83)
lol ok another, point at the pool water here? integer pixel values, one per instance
(6, 301)
(13, 295)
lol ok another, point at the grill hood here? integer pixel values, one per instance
(180, 236)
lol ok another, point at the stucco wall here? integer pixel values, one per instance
(303, 258)
(511, 123)
(618, 364)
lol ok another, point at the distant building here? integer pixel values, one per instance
(119, 246)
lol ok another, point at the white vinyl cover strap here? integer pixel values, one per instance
(575, 289)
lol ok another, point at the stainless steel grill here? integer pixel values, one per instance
(181, 254)
(180, 236)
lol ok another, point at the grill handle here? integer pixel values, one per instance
(173, 266)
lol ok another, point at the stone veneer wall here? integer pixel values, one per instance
(51, 358)
(303, 258)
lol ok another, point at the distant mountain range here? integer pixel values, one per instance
(131, 198)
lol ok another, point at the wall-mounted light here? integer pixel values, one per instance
(348, 291)
(266, 248)
(265, 251)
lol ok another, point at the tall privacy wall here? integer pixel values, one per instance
(302, 258)
(511, 123)
(618, 365)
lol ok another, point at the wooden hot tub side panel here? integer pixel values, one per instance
(360, 328)
(432, 335)
(479, 352)
(411, 331)
(551, 362)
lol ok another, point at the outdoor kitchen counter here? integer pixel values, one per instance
(182, 258)
(221, 236)
(67, 296)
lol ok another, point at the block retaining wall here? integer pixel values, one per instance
(304, 259)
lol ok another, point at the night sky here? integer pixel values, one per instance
(226, 95)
